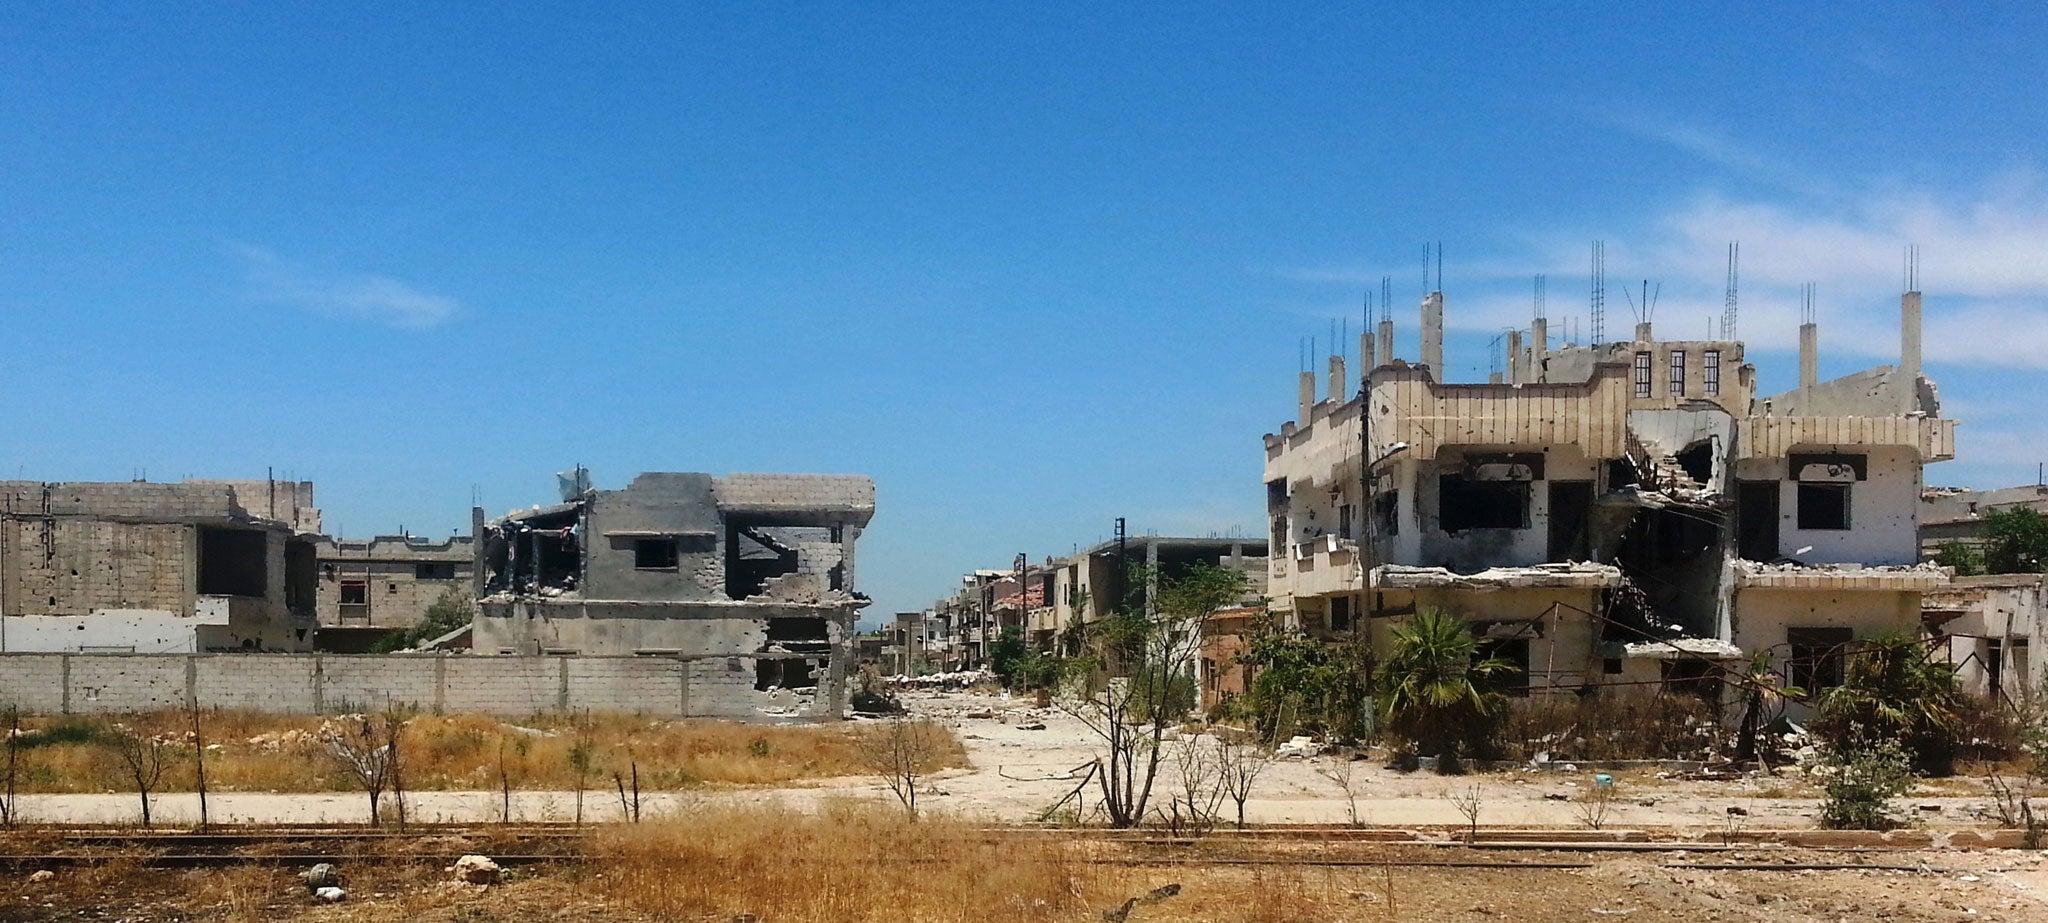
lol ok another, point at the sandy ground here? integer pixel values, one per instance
(1017, 773)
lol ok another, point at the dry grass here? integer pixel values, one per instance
(286, 753)
(850, 862)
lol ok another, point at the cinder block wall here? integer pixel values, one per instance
(329, 684)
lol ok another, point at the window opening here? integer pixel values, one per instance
(1677, 373)
(1642, 374)
(1464, 504)
(1710, 372)
(1824, 506)
(1816, 662)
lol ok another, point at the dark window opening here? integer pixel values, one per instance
(1642, 374)
(1611, 666)
(1677, 372)
(836, 577)
(1340, 613)
(1824, 506)
(1621, 473)
(654, 554)
(355, 592)
(1698, 462)
(391, 587)
(798, 628)
(433, 570)
(301, 577)
(1994, 667)
(753, 556)
(1516, 652)
(784, 674)
(1817, 657)
(1710, 373)
(233, 562)
(1463, 504)
(1388, 509)
(1571, 510)
(1756, 520)
(1344, 521)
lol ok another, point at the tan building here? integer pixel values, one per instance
(370, 589)
(1621, 512)
(140, 567)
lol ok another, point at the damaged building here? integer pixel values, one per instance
(1616, 513)
(748, 578)
(140, 567)
(372, 588)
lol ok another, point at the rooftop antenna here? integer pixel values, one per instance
(1647, 307)
(1598, 310)
(1386, 297)
(1913, 267)
(1439, 267)
(1806, 298)
(1728, 307)
(1542, 283)
(1425, 270)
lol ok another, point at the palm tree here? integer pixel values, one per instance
(1763, 701)
(1893, 690)
(1436, 693)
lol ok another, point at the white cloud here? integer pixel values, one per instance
(358, 296)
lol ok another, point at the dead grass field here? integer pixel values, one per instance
(282, 753)
(862, 863)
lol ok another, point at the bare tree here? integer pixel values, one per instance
(629, 809)
(1340, 773)
(902, 751)
(1594, 804)
(359, 745)
(1140, 678)
(583, 758)
(1195, 807)
(198, 760)
(1240, 760)
(396, 717)
(145, 756)
(13, 764)
(1468, 802)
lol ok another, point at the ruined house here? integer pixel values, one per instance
(1620, 513)
(748, 578)
(140, 567)
(370, 589)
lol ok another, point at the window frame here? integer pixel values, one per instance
(1710, 372)
(1642, 374)
(1677, 363)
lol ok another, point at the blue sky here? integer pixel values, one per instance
(1030, 266)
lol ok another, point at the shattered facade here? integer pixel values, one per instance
(372, 588)
(140, 567)
(748, 578)
(1621, 513)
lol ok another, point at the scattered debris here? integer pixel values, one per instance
(320, 876)
(1298, 748)
(329, 895)
(42, 876)
(1120, 914)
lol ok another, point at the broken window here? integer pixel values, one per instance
(433, 570)
(1466, 504)
(1388, 508)
(355, 592)
(1710, 372)
(301, 580)
(1642, 374)
(1677, 373)
(1571, 509)
(1698, 462)
(1340, 613)
(233, 562)
(1516, 652)
(655, 553)
(783, 674)
(1824, 506)
(1756, 520)
(757, 553)
(1817, 654)
(1693, 677)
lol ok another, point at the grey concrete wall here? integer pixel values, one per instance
(328, 684)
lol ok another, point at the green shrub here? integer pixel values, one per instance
(1860, 785)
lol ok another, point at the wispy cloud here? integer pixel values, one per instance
(378, 299)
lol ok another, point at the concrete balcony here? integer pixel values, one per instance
(1321, 566)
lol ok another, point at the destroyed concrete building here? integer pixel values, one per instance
(372, 588)
(1616, 513)
(748, 578)
(141, 567)
(1956, 514)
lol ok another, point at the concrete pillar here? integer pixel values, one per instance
(1340, 387)
(1643, 334)
(1386, 342)
(1809, 355)
(1367, 361)
(1539, 348)
(1433, 333)
(1909, 344)
(1516, 373)
(1308, 397)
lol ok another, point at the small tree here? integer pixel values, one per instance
(1894, 692)
(1341, 772)
(1241, 762)
(360, 746)
(12, 766)
(1194, 808)
(583, 758)
(902, 751)
(1153, 643)
(1763, 701)
(145, 756)
(451, 610)
(2015, 541)
(1468, 802)
(1304, 684)
(1436, 693)
(1006, 655)
(1967, 561)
